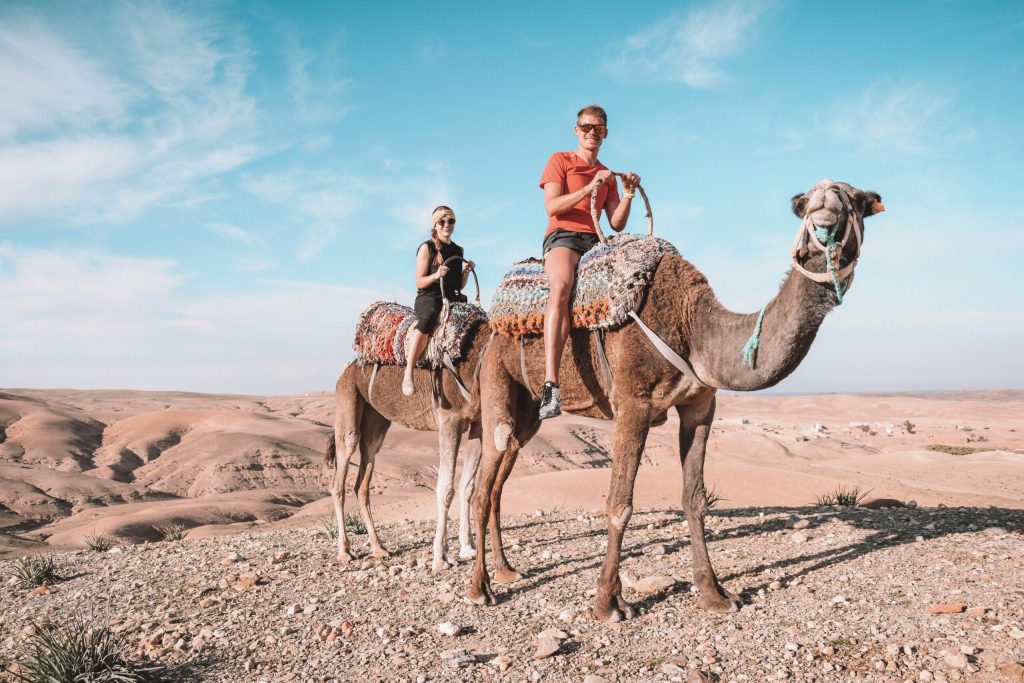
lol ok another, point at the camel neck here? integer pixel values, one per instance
(790, 324)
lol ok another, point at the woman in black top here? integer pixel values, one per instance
(429, 273)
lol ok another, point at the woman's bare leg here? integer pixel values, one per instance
(560, 266)
(417, 343)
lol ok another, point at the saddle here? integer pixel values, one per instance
(384, 328)
(611, 280)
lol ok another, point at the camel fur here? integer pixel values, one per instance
(362, 420)
(682, 309)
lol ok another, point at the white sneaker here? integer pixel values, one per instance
(551, 401)
(408, 388)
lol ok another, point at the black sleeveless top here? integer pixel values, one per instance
(453, 280)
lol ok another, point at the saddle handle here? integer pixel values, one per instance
(597, 219)
(476, 280)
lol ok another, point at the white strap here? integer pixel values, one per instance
(671, 356)
(369, 389)
(522, 368)
(450, 367)
(602, 360)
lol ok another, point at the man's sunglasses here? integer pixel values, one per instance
(601, 129)
(446, 221)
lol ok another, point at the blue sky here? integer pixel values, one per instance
(203, 196)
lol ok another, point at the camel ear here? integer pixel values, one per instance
(799, 203)
(872, 204)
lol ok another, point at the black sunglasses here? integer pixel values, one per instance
(601, 129)
(446, 221)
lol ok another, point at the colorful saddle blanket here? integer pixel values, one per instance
(611, 280)
(384, 328)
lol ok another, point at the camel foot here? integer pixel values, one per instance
(614, 611)
(441, 564)
(507, 575)
(380, 553)
(467, 552)
(345, 556)
(719, 600)
(482, 596)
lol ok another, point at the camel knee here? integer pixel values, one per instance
(502, 434)
(620, 515)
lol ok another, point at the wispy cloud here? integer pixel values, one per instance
(327, 203)
(690, 49)
(162, 108)
(906, 116)
(137, 318)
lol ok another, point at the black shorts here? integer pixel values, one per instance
(577, 241)
(428, 309)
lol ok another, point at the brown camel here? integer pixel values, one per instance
(682, 310)
(362, 416)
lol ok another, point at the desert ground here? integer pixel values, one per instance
(253, 592)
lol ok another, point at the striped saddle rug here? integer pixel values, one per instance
(611, 280)
(384, 328)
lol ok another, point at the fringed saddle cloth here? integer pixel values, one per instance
(384, 328)
(611, 280)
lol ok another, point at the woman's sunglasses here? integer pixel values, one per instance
(601, 129)
(446, 221)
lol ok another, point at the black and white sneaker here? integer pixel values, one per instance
(550, 401)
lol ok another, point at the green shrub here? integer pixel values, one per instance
(79, 651)
(329, 527)
(98, 543)
(354, 524)
(841, 497)
(171, 532)
(33, 572)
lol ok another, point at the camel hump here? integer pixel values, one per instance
(384, 327)
(611, 280)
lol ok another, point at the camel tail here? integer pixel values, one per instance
(331, 455)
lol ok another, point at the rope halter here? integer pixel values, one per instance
(596, 217)
(823, 238)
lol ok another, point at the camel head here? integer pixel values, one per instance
(832, 213)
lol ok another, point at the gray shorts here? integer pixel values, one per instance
(570, 239)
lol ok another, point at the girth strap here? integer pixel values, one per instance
(665, 350)
(369, 388)
(602, 360)
(522, 368)
(450, 367)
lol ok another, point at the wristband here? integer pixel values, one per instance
(628, 194)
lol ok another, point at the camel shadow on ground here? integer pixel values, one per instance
(888, 528)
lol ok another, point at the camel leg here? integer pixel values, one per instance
(466, 486)
(347, 415)
(449, 434)
(496, 397)
(374, 428)
(527, 425)
(629, 434)
(694, 427)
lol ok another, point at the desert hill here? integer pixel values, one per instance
(122, 463)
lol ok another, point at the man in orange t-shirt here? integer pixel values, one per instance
(568, 181)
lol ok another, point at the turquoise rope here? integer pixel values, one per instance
(749, 351)
(828, 238)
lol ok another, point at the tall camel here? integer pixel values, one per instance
(681, 308)
(366, 403)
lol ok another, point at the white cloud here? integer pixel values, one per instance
(327, 203)
(902, 116)
(95, 319)
(46, 82)
(689, 49)
(81, 144)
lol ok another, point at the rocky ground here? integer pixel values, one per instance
(832, 594)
